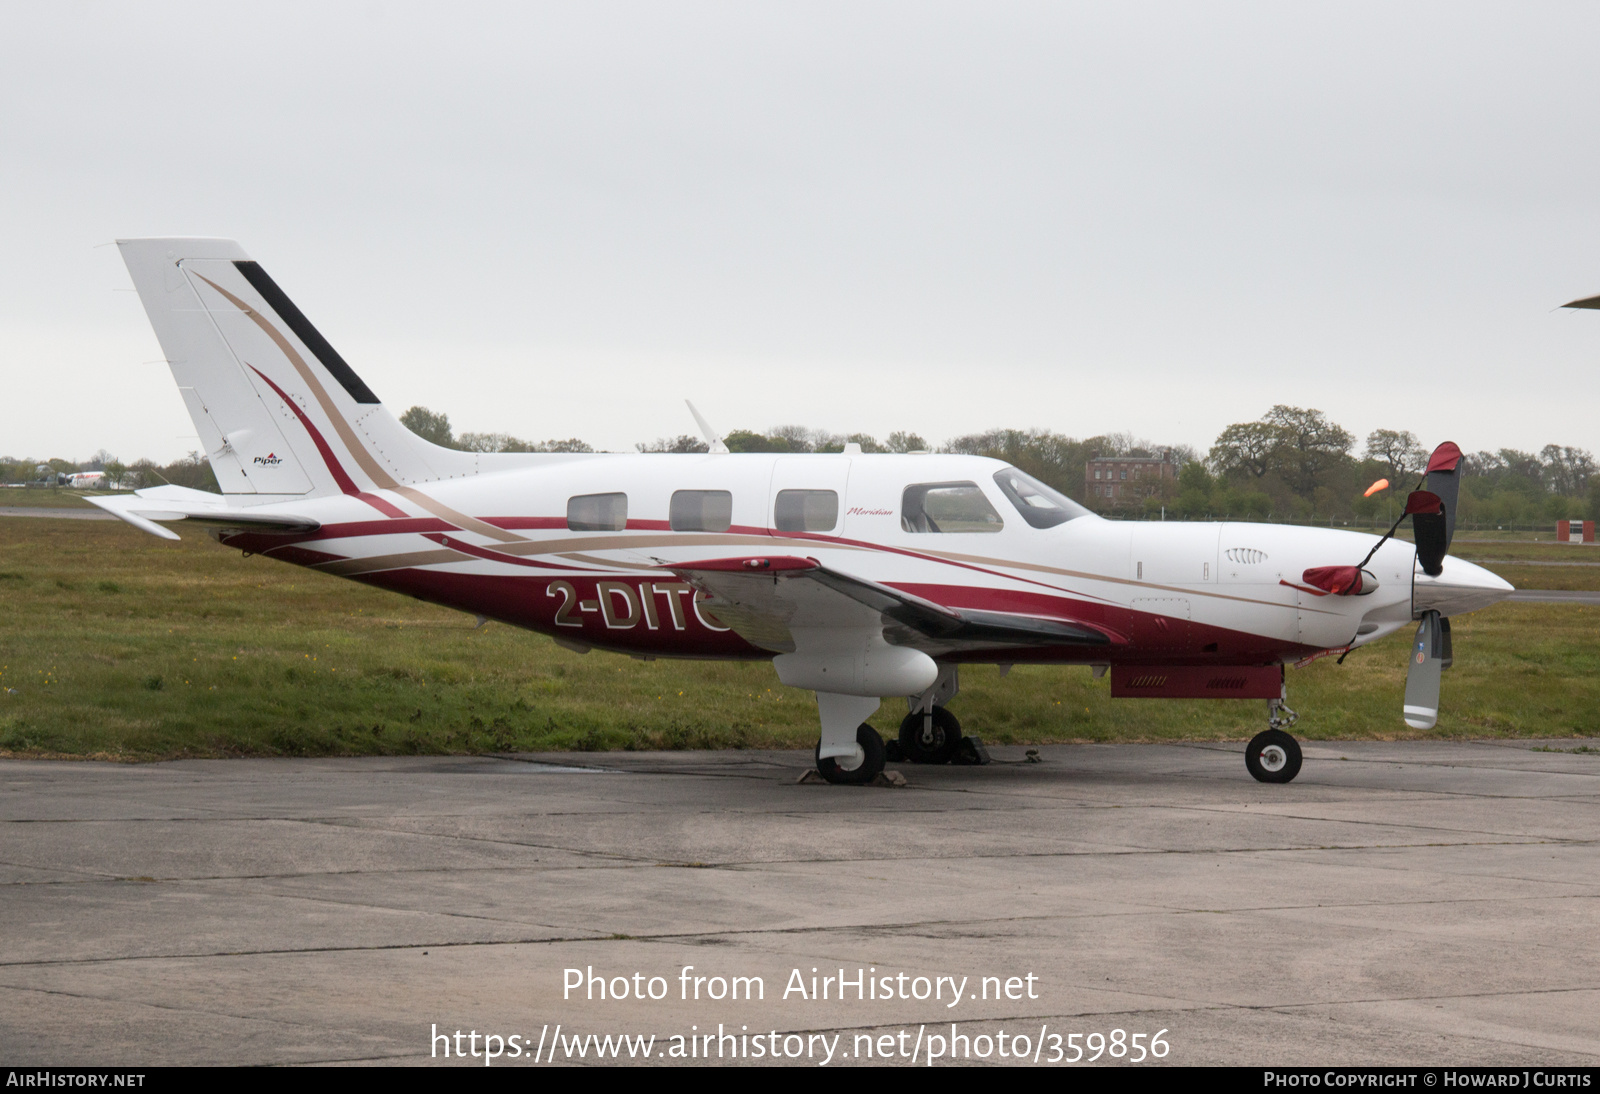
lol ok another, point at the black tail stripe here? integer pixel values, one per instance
(304, 331)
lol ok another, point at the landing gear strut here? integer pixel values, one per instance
(1273, 756)
(849, 751)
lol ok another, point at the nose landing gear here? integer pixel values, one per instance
(930, 734)
(930, 737)
(1273, 756)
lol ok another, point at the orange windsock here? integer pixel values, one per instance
(1381, 484)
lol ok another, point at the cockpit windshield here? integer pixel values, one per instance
(1039, 505)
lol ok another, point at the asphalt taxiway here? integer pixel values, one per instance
(1398, 903)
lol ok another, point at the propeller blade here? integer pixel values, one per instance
(1444, 482)
(1422, 674)
(1446, 654)
(1418, 501)
(1431, 528)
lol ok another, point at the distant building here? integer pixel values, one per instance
(1127, 480)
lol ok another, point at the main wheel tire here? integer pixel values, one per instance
(863, 772)
(1273, 756)
(920, 746)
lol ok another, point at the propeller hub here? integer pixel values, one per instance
(1459, 587)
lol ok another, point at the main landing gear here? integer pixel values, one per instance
(857, 769)
(852, 753)
(1273, 756)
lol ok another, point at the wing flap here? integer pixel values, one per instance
(766, 599)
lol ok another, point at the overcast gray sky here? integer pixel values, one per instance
(559, 220)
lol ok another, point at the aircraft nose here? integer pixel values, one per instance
(1460, 587)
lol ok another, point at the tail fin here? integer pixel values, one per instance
(279, 411)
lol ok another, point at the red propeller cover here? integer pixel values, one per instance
(1444, 458)
(1420, 501)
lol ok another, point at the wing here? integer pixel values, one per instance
(766, 599)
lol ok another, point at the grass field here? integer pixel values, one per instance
(115, 644)
(48, 497)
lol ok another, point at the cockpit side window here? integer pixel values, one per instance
(1039, 505)
(947, 507)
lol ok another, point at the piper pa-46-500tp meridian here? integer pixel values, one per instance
(858, 576)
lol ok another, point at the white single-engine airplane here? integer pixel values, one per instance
(858, 576)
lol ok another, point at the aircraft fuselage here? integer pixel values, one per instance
(1171, 593)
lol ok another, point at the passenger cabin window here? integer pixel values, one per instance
(947, 507)
(701, 511)
(597, 513)
(806, 511)
(1039, 505)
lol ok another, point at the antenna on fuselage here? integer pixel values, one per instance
(713, 438)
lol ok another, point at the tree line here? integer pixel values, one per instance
(193, 471)
(1292, 463)
(1295, 462)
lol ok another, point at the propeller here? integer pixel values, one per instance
(1433, 523)
(1432, 509)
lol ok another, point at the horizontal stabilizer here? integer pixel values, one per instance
(144, 508)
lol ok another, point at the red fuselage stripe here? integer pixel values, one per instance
(490, 554)
(340, 476)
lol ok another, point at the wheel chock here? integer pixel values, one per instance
(971, 751)
(882, 778)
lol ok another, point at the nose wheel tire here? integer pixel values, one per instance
(1273, 756)
(925, 743)
(856, 770)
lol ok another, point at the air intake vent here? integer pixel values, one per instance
(1247, 556)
